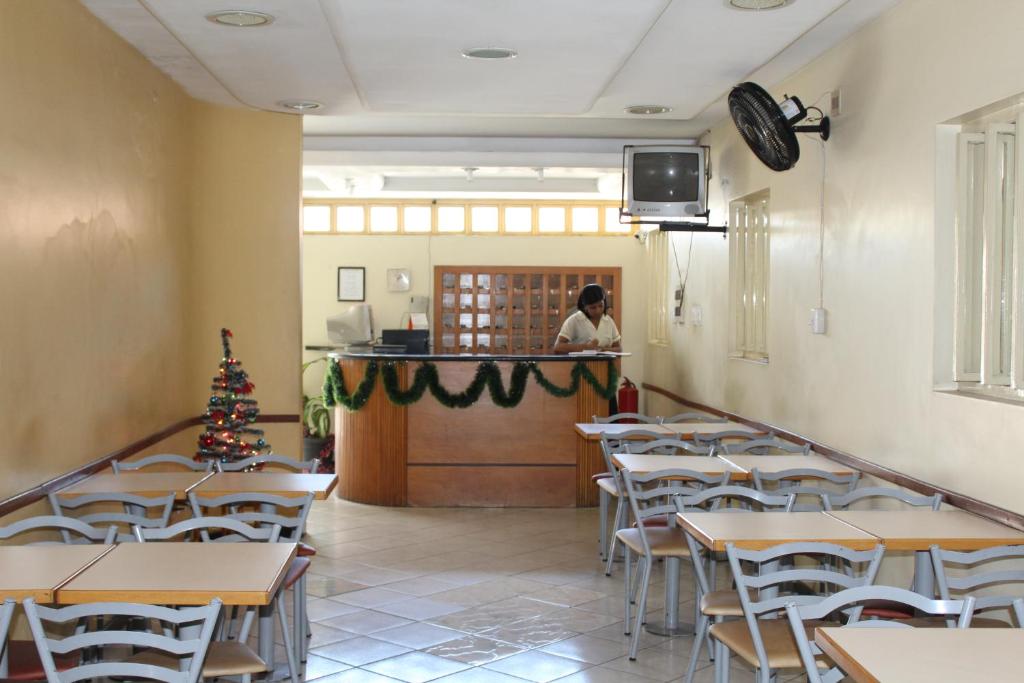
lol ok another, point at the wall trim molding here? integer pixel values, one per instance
(964, 502)
(37, 493)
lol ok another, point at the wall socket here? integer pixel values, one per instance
(835, 105)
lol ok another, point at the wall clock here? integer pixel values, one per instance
(399, 279)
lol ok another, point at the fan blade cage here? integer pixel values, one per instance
(764, 127)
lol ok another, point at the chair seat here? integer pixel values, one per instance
(725, 603)
(665, 541)
(601, 475)
(306, 550)
(23, 662)
(778, 640)
(223, 658)
(608, 484)
(296, 570)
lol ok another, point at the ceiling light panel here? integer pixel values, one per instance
(293, 58)
(567, 52)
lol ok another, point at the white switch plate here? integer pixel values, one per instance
(696, 315)
(819, 320)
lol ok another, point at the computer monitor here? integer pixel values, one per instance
(354, 326)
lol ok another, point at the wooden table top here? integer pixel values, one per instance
(759, 530)
(277, 483)
(139, 483)
(642, 463)
(688, 429)
(917, 655)
(36, 571)
(183, 574)
(776, 463)
(592, 431)
(921, 529)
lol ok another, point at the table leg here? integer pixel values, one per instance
(266, 636)
(924, 574)
(671, 626)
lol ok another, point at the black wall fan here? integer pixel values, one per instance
(768, 127)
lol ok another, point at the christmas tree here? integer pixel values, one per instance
(230, 412)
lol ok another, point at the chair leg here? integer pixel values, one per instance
(298, 617)
(602, 505)
(293, 667)
(627, 593)
(641, 608)
(616, 525)
(698, 641)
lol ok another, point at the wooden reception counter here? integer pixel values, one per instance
(426, 454)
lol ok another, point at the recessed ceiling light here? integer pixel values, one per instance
(489, 53)
(240, 18)
(299, 105)
(648, 109)
(757, 4)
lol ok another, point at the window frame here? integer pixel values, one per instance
(749, 275)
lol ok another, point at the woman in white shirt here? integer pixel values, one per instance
(589, 328)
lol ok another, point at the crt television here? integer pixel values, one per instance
(665, 181)
(354, 326)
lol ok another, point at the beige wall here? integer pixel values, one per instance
(323, 254)
(113, 185)
(867, 386)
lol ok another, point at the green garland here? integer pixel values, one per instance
(488, 375)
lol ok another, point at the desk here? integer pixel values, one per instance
(592, 431)
(918, 530)
(37, 571)
(917, 655)
(760, 530)
(276, 483)
(138, 483)
(777, 463)
(642, 463)
(686, 430)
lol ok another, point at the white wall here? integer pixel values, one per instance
(867, 386)
(323, 254)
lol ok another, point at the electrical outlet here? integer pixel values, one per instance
(835, 106)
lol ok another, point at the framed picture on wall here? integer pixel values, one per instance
(351, 284)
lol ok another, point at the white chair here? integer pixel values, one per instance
(141, 511)
(162, 459)
(271, 460)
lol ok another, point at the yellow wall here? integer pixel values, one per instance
(867, 386)
(323, 254)
(105, 228)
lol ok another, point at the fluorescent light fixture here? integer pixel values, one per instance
(299, 105)
(489, 53)
(240, 18)
(648, 109)
(756, 5)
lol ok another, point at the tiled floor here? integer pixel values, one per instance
(467, 595)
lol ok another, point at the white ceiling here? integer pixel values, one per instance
(396, 90)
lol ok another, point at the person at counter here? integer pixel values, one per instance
(589, 328)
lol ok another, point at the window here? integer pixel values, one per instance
(748, 275)
(467, 217)
(988, 308)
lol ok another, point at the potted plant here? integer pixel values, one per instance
(317, 439)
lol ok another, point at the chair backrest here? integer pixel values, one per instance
(288, 512)
(722, 498)
(666, 447)
(767, 580)
(765, 446)
(71, 530)
(1018, 611)
(989, 571)
(135, 510)
(96, 641)
(851, 602)
(624, 417)
(845, 500)
(795, 480)
(653, 494)
(230, 531)
(272, 460)
(725, 436)
(6, 614)
(691, 417)
(162, 459)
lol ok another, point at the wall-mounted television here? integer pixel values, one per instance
(664, 181)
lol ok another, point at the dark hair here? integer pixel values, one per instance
(591, 294)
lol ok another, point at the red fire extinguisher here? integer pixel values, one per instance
(628, 399)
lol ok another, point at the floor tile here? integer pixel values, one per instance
(360, 651)
(421, 586)
(536, 666)
(587, 649)
(418, 636)
(474, 650)
(370, 597)
(420, 608)
(321, 635)
(366, 621)
(599, 674)
(317, 667)
(566, 596)
(479, 675)
(323, 586)
(416, 667)
(356, 676)
(321, 609)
